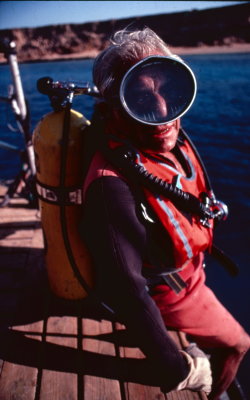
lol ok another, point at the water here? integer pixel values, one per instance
(218, 123)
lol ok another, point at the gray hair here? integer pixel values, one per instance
(126, 49)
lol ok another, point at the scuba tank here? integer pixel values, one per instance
(59, 178)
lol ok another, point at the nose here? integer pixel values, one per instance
(160, 106)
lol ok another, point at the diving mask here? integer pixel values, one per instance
(158, 90)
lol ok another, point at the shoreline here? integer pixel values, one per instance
(199, 50)
(203, 49)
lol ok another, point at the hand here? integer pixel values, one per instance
(200, 375)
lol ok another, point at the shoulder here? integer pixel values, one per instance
(99, 167)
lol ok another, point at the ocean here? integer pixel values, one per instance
(218, 123)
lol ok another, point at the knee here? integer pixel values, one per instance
(243, 345)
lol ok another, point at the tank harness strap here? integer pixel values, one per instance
(175, 282)
(56, 195)
(171, 279)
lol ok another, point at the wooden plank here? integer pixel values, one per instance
(13, 233)
(22, 245)
(36, 259)
(33, 330)
(18, 217)
(142, 392)
(17, 229)
(13, 279)
(186, 395)
(1, 367)
(135, 390)
(22, 263)
(10, 234)
(96, 388)
(11, 261)
(13, 245)
(58, 385)
(37, 238)
(19, 381)
(4, 186)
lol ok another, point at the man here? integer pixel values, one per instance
(146, 238)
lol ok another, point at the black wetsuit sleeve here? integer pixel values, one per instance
(117, 240)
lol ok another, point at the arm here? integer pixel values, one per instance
(117, 240)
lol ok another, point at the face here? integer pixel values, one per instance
(156, 138)
(147, 96)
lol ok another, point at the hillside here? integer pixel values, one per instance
(225, 26)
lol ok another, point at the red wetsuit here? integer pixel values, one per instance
(118, 228)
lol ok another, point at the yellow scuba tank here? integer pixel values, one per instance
(67, 259)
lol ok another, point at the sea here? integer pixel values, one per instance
(219, 125)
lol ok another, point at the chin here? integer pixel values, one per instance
(160, 145)
(169, 145)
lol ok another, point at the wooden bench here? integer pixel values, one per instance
(52, 349)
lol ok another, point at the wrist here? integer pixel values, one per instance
(189, 362)
(200, 375)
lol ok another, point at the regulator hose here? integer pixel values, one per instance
(123, 157)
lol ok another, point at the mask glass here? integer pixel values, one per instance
(158, 90)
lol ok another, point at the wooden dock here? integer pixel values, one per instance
(51, 349)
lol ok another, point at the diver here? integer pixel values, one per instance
(148, 249)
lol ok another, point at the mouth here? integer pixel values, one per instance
(163, 132)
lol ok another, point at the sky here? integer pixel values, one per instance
(25, 14)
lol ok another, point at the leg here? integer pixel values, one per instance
(225, 363)
(200, 314)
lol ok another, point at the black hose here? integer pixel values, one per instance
(63, 220)
(123, 158)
